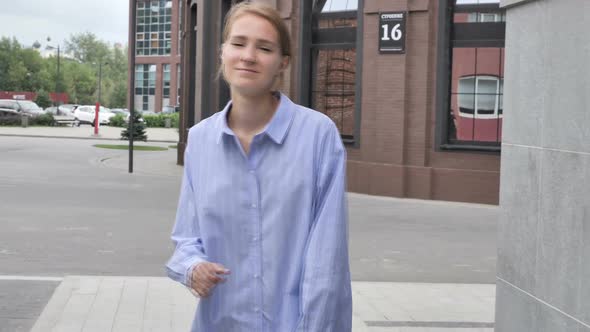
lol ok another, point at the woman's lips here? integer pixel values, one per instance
(247, 70)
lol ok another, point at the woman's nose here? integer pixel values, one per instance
(248, 55)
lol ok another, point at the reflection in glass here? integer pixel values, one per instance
(334, 87)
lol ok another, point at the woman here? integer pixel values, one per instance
(261, 228)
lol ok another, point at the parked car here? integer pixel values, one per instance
(61, 110)
(169, 109)
(125, 113)
(86, 114)
(23, 107)
(62, 115)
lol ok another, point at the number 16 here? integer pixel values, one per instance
(396, 33)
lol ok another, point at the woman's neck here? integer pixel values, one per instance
(249, 115)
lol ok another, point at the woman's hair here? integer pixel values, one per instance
(263, 11)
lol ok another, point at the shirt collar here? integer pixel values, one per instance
(276, 129)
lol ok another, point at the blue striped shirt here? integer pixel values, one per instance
(276, 217)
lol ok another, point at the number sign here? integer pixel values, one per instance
(392, 32)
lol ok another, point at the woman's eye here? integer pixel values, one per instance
(237, 44)
(266, 49)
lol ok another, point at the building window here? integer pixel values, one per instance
(178, 66)
(472, 75)
(334, 64)
(180, 27)
(145, 87)
(166, 86)
(154, 20)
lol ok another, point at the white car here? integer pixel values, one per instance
(86, 114)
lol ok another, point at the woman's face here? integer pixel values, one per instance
(251, 55)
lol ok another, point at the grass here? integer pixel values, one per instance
(173, 146)
(126, 147)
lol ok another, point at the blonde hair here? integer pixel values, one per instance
(265, 12)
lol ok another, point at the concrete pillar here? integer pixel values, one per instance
(544, 230)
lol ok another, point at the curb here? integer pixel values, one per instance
(85, 138)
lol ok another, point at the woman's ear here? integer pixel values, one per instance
(285, 62)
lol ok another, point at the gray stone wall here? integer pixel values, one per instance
(544, 231)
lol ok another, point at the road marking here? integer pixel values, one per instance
(29, 278)
(429, 324)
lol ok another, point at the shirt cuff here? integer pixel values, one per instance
(189, 271)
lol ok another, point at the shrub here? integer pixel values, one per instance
(159, 120)
(153, 120)
(118, 121)
(41, 120)
(10, 121)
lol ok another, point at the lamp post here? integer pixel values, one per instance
(100, 78)
(97, 112)
(57, 76)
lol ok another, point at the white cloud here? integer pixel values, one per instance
(33, 20)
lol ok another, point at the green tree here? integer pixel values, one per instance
(87, 48)
(139, 133)
(119, 97)
(43, 99)
(81, 82)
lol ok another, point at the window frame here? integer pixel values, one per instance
(307, 14)
(446, 42)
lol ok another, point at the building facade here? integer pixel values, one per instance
(157, 54)
(420, 119)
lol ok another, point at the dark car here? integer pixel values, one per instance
(22, 107)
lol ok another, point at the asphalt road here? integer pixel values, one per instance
(68, 208)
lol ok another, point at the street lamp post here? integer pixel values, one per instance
(100, 78)
(98, 103)
(57, 77)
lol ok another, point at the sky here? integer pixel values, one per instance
(35, 20)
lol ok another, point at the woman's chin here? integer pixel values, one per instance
(249, 89)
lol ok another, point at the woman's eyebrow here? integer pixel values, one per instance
(261, 41)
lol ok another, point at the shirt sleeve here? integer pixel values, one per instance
(189, 250)
(326, 300)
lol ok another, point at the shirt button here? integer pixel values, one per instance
(253, 206)
(256, 276)
(256, 310)
(255, 239)
(251, 171)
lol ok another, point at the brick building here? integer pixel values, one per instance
(157, 54)
(421, 123)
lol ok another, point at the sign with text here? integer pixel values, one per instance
(392, 32)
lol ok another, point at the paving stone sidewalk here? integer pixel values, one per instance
(127, 304)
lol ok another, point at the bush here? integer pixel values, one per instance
(159, 120)
(118, 121)
(175, 120)
(153, 120)
(41, 120)
(10, 121)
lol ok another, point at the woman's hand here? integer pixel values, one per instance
(205, 276)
